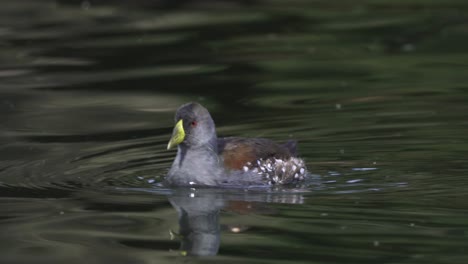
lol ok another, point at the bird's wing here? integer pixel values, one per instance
(237, 152)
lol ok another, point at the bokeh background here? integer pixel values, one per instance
(376, 93)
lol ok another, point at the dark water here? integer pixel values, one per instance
(375, 91)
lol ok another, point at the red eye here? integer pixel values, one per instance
(194, 123)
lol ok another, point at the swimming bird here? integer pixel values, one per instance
(203, 159)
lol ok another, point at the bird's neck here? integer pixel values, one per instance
(197, 165)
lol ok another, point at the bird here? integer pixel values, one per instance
(204, 159)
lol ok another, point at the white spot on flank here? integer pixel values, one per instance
(235, 230)
(283, 170)
(296, 176)
(302, 170)
(294, 167)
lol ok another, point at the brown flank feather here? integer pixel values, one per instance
(237, 152)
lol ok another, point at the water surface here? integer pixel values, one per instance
(376, 93)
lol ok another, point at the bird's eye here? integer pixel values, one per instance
(193, 124)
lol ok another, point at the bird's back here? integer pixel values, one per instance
(237, 152)
(275, 163)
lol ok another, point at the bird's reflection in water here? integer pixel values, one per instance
(199, 223)
(199, 213)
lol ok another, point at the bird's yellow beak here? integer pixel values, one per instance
(178, 135)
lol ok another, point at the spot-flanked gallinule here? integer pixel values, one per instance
(203, 159)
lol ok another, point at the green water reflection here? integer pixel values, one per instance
(376, 93)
